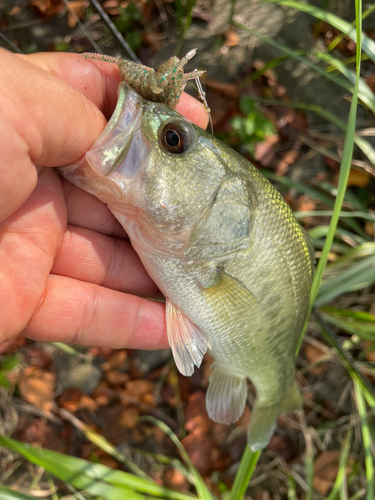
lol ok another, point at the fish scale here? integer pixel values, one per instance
(218, 240)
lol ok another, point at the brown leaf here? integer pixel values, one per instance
(47, 8)
(231, 38)
(116, 377)
(137, 389)
(313, 354)
(176, 480)
(326, 469)
(129, 417)
(370, 356)
(369, 227)
(116, 360)
(74, 399)
(202, 452)
(262, 495)
(36, 387)
(78, 8)
(228, 89)
(358, 178)
(371, 82)
(111, 7)
(196, 416)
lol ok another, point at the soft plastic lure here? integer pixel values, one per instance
(166, 84)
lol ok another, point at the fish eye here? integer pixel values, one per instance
(176, 138)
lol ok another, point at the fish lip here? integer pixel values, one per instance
(110, 149)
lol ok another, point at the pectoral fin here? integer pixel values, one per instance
(231, 301)
(226, 396)
(187, 342)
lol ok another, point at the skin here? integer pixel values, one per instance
(68, 272)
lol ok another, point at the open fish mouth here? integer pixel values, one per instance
(108, 168)
(121, 146)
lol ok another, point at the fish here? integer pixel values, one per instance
(222, 245)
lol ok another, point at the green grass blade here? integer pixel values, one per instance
(366, 436)
(292, 490)
(200, 486)
(354, 322)
(8, 494)
(343, 177)
(245, 471)
(340, 37)
(364, 145)
(309, 466)
(102, 443)
(355, 34)
(329, 213)
(358, 276)
(331, 340)
(344, 454)
(364, 92)
(92, 477)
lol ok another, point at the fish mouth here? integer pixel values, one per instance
(121, 147)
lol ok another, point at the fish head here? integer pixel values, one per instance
(152, 164)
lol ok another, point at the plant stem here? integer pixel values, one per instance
(245, 471)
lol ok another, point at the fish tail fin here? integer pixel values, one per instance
(263, 418)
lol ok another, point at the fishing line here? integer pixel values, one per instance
(83, 29)
(14, 47)
(202, 97)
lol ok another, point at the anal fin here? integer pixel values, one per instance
(187, 342)
(226, 396)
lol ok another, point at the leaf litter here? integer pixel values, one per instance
(277, 137)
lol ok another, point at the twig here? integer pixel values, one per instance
(124, 44)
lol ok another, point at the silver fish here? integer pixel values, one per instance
(222, 245)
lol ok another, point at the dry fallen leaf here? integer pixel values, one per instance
(116, 377)
(326, 469)
(358, 178)
(370, 356)
(137, 389)
(196, 416)
(116, 360)
(202, 451)
(47, 8)
(176, 480)
(129, 417)
(231, 38)
(36, 387)
(313, 355)
(75, 10)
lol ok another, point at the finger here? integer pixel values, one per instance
(56, 122)
(86, 211)
(111, 262)
(193, 110)
(28, 242)
(17, 172)
(85, 314)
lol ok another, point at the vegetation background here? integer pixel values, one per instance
(291, 86)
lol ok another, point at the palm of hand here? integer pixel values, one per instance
(67, 271)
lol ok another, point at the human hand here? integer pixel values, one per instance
(68, 272)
